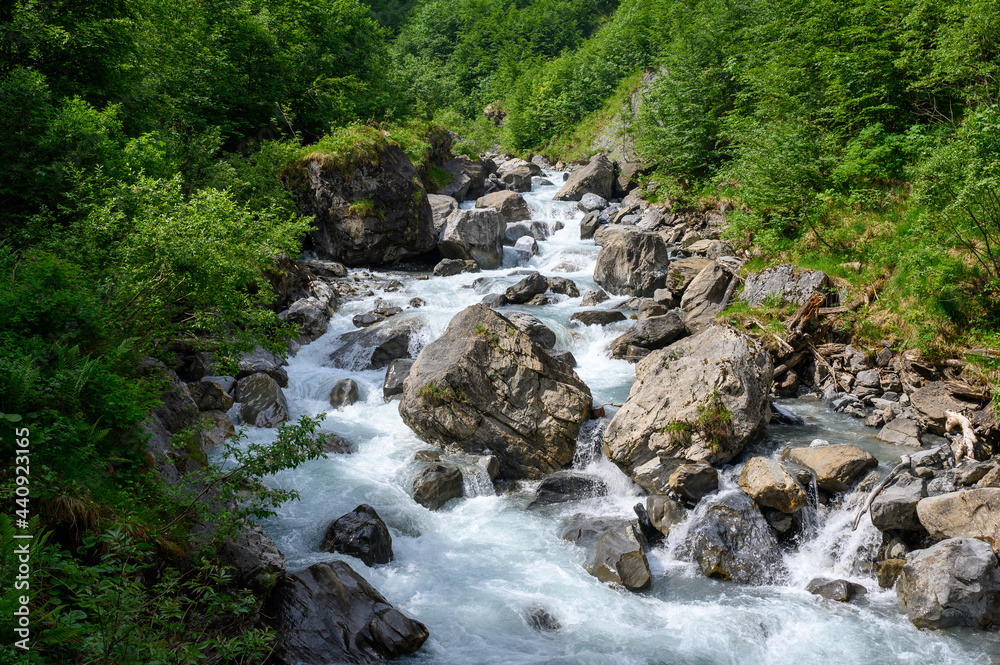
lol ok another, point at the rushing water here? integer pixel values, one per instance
(474, 570)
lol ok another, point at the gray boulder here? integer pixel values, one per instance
(900, 431)
(954, 583)
(564, 286)
(395, 375)
(449, 267)
(328, 613)
(311, 315)
(485, 385)
(517, 230)
(618, 557)
(469, 178)
(770, 485)
(516, 174)
(699, 399)
(632, 262)
(538, 332)
(693, 481)
(210, 395)
(836, 467)
(682, 272)
(437, 484)
(524, 249)
(532, 285)
(653, 332)
(597, 317)
(597, 177)
(841, 591)
(262, 403)
(261, 360)
(372, 211)
(441, 208)
(785, 283)
(474, 234)
(511, 205)
(565, 486)
(590, 202)
(345, 392)
(360, 533)
(593, 297)
(378, 345)
(971, 513)
(703, 298)
(896, 506)
(730, 540)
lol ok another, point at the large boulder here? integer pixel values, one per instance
(517, 230)
(565, 486)
(474, 234)
(954, 583)
(395, 376)
(896, 506)
(682, 272)
(700, 399)
(653, 332)
(597, 177)
(538, 332)
(328, 613)
(730, 540)
(262, 360)
(971, 513)
(526, 289)
(262, 402)
(367, 211)
(784, 283)
(441, 208)
(618, 557)
(311, 315)
(930, 402)
(704, 296)
(469, 178)
(770, 485)
(632, 263)
(360, 533)
(376, 346)
(836, 466)
(516, 174)
(900, 431)
(344, 393)
(510, 205)
(598, 317)
(210, 395)
(437, 484)
(485, 385)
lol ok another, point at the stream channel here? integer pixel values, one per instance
(474, 570)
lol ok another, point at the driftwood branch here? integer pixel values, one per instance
(903, 464)
(963, 446)
(829, 367)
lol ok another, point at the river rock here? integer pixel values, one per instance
(930, 402)
(517, 173)
(437, 484)
(479, 387)
(441, 208)
(597, 317)
(254, 556)
(449, 267)
(664, 512)
(511, 205)
(597, 177)
(653, 332)
(836, 466)
(677, 408)
(896, 506)
(618, 557)
(261, 360)
(593, 297)
(840, 590)
(218, 427)
(566, 287)
(345, 392)
(711, 249)
(900, 431)
(360, 533)
(589, 225)
(517, 230)
(703, 298)
(311, 315)
(533, 328)
(378, 345)
(395, 375)
(590, 202)
(367, 211)
(954, 583)
(476, 235)
(784, 283)
(632, 263)
(333, 444)
(693, 482)
(770, 485)
(583, 530)
(973, 513)
(330, 269)
(682, 272)
(524, 249)
(469, 178)
(262, 403)
(210, 395)
(328, 613)
(529, 287)
(565, 486)
(730, 540)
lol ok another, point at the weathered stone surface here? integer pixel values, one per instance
(664, 512)
(262, 403)
(973, 513)
(311, 314)
(210, 395)
(538, 332)
(730, 540)
(449, 267)
(218, 427)
(836, 466)
(700, 378)
(682, 272)
(441, 208)
(395, 375)
(378, 345)
(526, 289)
(901, 431)
(479, 387)
(591, 202)
(524, 249)
(345, 392)
(517, 173)
(653, 332)
(618, 557)
(704, 295)
(770, 485)
(517, 230)
(360, 533)
(840, 590)
(597, 177)
(474, 234)
(333, 444)
(954, 583)
(260, 360)
(694, 481)
(436, 485)
(366, 213)
(593, 297)
(597, 317)
(930, 402)
(632, 262)
(469, 178)
(328, 613)
(511, 205)
(253, 554)
(566, 287)
(565, 486)
(896, 506)
(330, 269)
(786, 283)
